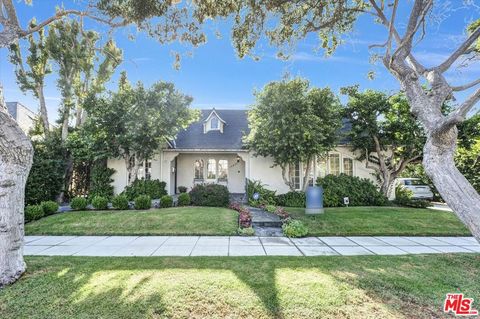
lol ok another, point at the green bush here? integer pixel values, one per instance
(120, 202)
(182, 189)
(403, 197)
(100, 203)
(166, 201)
(153, 188)
(267, 197)
(291, 199)
(33, 212)
(294, 228)
(49, 207)
(143, 202)
(271, 208)
(101, 182)
(78, 203)
(360, 191)
(248, 231)
(183, 199)
(213, 195)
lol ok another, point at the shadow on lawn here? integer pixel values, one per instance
(155, 287)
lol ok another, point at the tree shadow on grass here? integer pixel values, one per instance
(406, 286)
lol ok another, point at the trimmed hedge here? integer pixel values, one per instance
(183, 199)
(143, 202)
(291, 199)
(49, 207)
(360, 191)
(33, 212)
(213, 195)
(120, 202)
(78, 203)
(100, 203)
(153, 188)
(166, 201)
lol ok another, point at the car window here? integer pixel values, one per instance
(413, 182)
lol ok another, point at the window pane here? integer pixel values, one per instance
(311, 174)
(214, 123)
(148, 169)
(294, 173)
(222, 169)
(211, 169)
(321, 169)
(334, 164)
(199, 169)
(348, 166)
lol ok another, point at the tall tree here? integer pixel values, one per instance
(293, 123)
(33, 79)
(384, 133)
(135, 123)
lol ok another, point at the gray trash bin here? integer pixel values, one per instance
(314, 203)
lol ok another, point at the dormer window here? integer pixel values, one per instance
(213, 123)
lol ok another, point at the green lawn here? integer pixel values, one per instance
(166, 221)
(381, 221)
(246, 287)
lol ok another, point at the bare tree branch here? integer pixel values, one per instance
(462, 49)
(459, 114)
(466, 86)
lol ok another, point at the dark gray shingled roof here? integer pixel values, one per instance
(236, 125)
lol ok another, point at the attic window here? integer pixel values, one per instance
(214, 123)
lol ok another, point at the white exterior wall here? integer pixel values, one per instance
(186, 170)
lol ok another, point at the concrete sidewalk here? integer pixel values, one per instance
(243, 246)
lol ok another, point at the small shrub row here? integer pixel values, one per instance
(33, 212)
(78, 203)
(183, 199)
(212, 195)
(120, 202)
(100, 202)
(166, 201)
(291, 199)
(143, 202)
(49, 207)
(244, 217)
(155, 189)
(266, 196)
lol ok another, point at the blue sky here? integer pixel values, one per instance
(215, 77)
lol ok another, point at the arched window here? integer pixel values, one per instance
(214, 123)
(211, 169)
(199, 169)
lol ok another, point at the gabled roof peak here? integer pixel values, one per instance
(214, 112)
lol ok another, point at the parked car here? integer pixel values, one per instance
(418, 188)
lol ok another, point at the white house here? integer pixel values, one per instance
(23, 115)
(211, 151)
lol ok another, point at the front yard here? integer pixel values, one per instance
(253, 287)
(166, 221)
(381, 221)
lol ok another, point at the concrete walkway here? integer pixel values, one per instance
(243, 246)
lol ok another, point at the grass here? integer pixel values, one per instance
(381, 221)
(166, 221)
(243, 287)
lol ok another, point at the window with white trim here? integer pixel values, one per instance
(148, 169)
(321, 166)
(294, 175)
(214, 123)
(199, 169)
(222, 169)
(334, 164)
(211, 169)
(348, 166)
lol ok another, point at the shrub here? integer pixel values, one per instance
(153, 188)
(210, 195)
(33, 212)
(292, 199)
(78, 203)
(100, 203)
(182, 189)
(183, 199)
(166, 201)
(101, 182)
(49, 207)
(271, 208)
(294, 228)
(267, 197)
(120, 202)
(282, 213)
(403, 197)
(249, 231)
(244, 217)
(143, 202)
(360, 191)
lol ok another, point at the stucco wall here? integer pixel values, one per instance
(236, 170)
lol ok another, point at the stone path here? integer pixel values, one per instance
(265, 224)
(243, 246)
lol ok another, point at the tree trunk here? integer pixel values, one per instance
(67, 178)
(454, 188)
(307, 175)
(286, 179)
(16, 155)
(43, 110)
